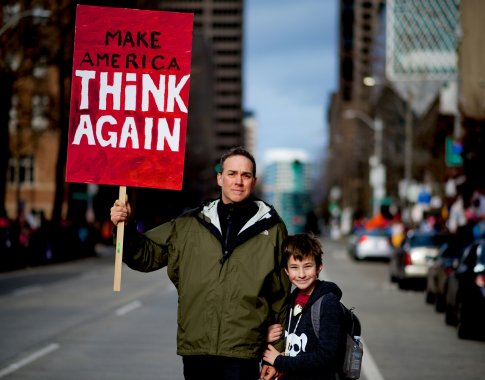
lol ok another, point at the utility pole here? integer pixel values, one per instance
(408, 150)
(377, 176)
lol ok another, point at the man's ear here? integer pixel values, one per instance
(286, 271)
(254, 182)
(219, 179)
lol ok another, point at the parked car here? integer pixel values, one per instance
(465, 296)
(439, 270)
(409, 262)
(371, 244)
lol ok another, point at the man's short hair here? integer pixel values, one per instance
(237, 151)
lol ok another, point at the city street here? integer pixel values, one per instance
(363, 117)
(65, 322)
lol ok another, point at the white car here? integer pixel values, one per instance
(371, 244)
(411, 261)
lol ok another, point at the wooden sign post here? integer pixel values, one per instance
(120, 233)
(129, 101)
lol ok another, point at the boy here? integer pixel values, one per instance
(307, 356)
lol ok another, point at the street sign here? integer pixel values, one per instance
(453, 150)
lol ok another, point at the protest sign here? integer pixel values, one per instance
(129, 98)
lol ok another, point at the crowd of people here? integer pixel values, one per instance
(31, 240)
(462, 216)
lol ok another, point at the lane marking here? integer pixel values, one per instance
(369, 366)
(128, 307)
(26, 290)
(29, 359)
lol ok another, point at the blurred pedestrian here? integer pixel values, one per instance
(311, 223)
(308, 356)
(224, 258)
(398, 231)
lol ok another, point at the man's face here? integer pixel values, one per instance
(236, 180)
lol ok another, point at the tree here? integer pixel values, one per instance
(6, 82)
(20, 47)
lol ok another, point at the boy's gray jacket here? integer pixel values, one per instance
(227, 295)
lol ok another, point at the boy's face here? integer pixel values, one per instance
(303, 274)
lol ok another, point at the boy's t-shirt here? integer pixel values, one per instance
(300, 302)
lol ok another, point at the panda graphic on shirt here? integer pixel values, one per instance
(296, 344)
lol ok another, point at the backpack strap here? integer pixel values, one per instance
(315, 313)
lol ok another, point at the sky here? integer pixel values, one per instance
(290, 71)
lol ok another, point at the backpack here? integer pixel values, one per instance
(350, 363)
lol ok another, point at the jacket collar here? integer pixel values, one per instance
(208, 212)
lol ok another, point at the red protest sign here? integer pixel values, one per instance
(129, 97)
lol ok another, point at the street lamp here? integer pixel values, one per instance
(377, 170)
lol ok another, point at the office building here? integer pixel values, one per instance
(219, 25)
(287, 185)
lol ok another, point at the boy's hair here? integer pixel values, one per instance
(300, 246)
(237, 151)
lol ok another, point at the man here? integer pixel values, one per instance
(224, 258)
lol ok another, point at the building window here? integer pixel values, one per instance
(228, 80)
(229, 93)
(228, 52)
(226, 12)
(226, 25)
(40, 112)
(21, 171)
(228, 120)
(226, 39)
(229, 107)
(229, 65)
(196, 11)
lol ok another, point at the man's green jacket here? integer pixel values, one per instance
(227, 295)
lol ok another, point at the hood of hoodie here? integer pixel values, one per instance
(321, 288)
